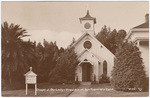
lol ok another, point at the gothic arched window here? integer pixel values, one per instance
(105, 68)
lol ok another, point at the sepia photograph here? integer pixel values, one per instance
(75, 48)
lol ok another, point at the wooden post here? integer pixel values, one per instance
(26, 88)
(35, 89)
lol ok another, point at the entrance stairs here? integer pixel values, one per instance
(85, 83)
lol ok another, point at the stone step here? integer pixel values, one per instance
(85, 83)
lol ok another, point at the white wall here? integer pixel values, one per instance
(139, 35)
(145, 55)
(96, 53)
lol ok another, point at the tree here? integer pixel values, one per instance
(64, 71)
(72, 42)
(40, 52)
(120, 37)
(47, 55)
(61, 50)
(102, 36)
(128, 71)
(17, 54)
(111, 39)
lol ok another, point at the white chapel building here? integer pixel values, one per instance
(95, 59)
(140, 36)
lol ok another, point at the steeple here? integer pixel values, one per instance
(87, 23)
(88, 17)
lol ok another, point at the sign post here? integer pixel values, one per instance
(26, 89)
(31, 78)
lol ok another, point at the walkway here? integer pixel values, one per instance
(80, 91)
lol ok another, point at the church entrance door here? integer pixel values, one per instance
(86, 72)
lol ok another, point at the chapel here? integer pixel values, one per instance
(94, 58)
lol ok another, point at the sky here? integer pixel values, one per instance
(59, 21)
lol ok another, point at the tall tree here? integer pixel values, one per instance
(48, 53)
(128, 72)
(16, 53)
(64, 71)
(112, 41)
(120, 37)
(102, 36)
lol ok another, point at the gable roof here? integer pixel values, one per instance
(140, 28)
(86, 33)
(144, 25)
(30, 73)
(88, 52)
(86, 62)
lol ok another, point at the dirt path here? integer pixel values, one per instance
(80, 91)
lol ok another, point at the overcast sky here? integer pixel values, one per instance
(59, 21)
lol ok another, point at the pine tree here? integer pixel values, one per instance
(128, 71)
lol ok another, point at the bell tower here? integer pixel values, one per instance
(88, 23)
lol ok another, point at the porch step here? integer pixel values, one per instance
(85, 83)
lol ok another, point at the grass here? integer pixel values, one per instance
(107, 91)
(42, 91)
(98, 90)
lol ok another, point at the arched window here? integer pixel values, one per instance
(105, 68)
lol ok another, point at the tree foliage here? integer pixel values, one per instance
(45, 58)
(17, 55)
(64, 71)
(47, 55)
(111, 39)
(51, 59)
(102, 36)
(128, 71)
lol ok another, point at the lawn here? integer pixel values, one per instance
(98, 90)
(107, 91)
(43, 90)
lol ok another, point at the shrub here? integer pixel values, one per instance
(104, 79)
(128, 72)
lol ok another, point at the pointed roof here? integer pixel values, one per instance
(85, 50)
(144, 25)
(86, 33)
(88, 17)
(30, 73)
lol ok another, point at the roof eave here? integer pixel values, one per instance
(88, 19)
